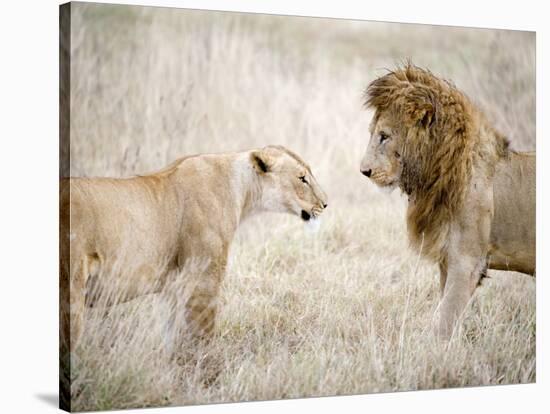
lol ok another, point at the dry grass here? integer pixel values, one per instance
(345, 311)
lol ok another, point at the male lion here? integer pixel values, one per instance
(129, 234)
(471, 199)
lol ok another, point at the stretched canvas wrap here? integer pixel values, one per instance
(258, 207)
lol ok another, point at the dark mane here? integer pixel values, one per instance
(444, 136)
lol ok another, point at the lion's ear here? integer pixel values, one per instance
(260, 161)
(428, 117)
(420, 108)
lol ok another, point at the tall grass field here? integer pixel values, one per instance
(346, 310)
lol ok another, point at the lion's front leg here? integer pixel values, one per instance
(458, 290)
(463, 265)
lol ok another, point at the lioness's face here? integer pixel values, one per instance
(382, 160)
(288, 185)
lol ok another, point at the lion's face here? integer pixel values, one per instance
(382, 160)
(287, 184)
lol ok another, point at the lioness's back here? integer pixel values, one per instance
(114, 214)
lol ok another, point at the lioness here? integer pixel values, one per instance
(162, 221)
(471, 199)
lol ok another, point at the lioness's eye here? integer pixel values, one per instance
(383, 137)
(303, 179)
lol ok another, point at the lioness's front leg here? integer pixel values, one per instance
(201, 304)
(191, 300)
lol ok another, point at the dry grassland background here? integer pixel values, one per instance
(346, 310)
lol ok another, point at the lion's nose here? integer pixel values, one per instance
(367, 172)
(325, 205)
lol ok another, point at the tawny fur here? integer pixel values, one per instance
(130, 234)
(465, 186)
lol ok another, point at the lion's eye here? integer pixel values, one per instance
(303, 179)
(383, 137)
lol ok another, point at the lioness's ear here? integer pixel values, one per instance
(260, 161)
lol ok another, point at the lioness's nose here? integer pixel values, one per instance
(367, 172)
